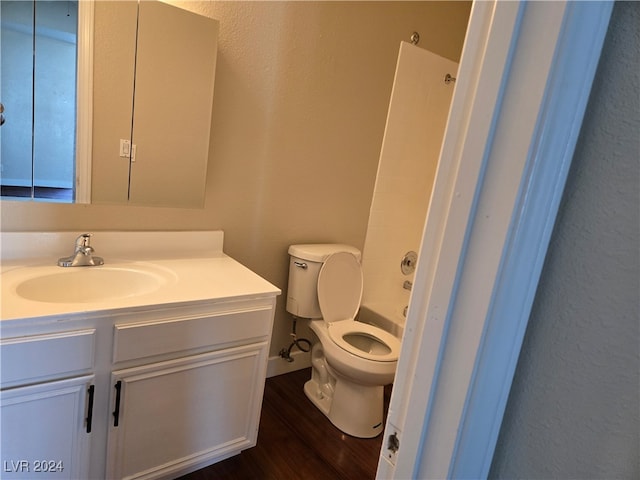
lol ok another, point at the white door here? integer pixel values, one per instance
(46, 430)
(521, 90)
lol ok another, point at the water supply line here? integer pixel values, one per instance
(303, 344)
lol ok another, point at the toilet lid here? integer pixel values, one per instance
(340, 287)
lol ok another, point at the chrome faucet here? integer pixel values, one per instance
(82, 254)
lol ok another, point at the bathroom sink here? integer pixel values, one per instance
(91, 284)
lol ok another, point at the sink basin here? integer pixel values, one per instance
(91, 284)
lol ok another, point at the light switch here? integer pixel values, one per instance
(125, 148)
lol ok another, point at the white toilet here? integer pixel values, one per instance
(352, 361)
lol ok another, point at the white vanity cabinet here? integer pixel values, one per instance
(47, 405)
(186, 343)
(146, 393)
(190, 393)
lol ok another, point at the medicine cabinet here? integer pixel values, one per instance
(146, 70)
(152, 105)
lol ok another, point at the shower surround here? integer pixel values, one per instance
(415, 127)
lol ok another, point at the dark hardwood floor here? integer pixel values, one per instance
(296, 441)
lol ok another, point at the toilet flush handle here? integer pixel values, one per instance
(301, 265)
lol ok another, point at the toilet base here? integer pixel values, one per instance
(314, 393)
(356, 410)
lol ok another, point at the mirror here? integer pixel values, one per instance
(151, 106)
(38, 93)
(154, 150)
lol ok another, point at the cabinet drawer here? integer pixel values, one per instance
(40, 357)
(133, 341)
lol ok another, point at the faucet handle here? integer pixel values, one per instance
(83, 244)
(83, 240)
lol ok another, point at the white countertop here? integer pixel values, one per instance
(189, 277)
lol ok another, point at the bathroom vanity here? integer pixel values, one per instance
(157, 372)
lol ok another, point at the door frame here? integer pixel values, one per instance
(522, 87)
(84, 102)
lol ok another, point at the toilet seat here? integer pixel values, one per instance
(339, 294)
(352, 336)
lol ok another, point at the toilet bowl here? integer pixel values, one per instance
(366, 354)
(351, 361)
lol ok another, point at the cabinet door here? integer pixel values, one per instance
(46, 430)
(173, 416)
(173, 96)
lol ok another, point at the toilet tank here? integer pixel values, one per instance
(305, 262)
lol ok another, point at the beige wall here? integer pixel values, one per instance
(301, 97)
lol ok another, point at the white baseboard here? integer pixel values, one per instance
(278, 365)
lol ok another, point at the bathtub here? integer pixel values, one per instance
(387, 317)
